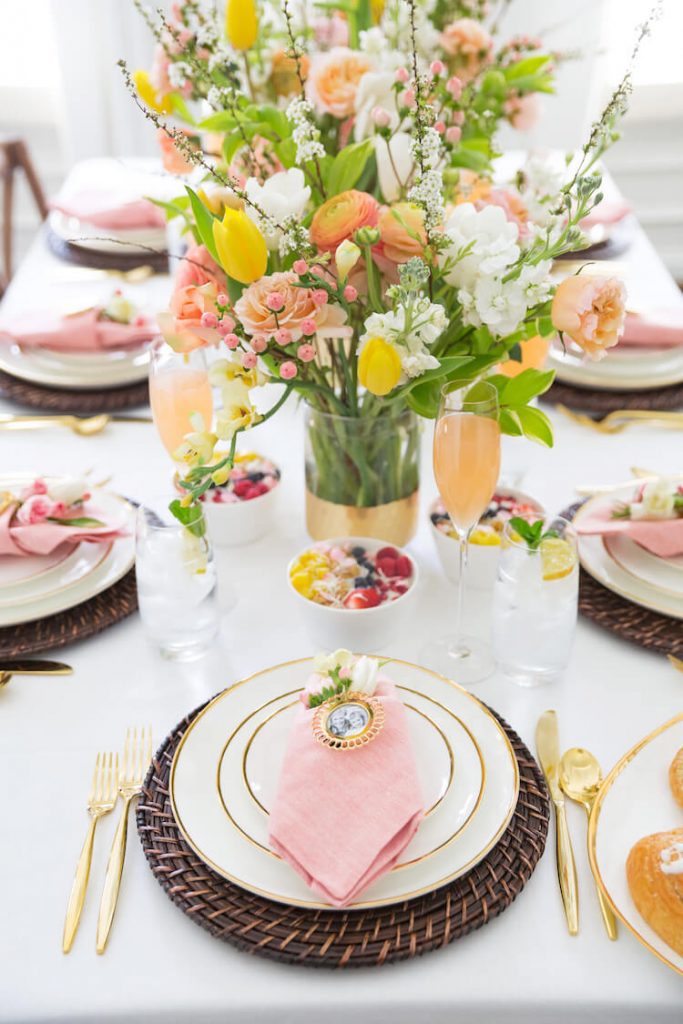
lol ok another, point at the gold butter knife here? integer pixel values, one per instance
(30, 667)
(548, 747)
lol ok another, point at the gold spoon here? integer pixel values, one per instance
(580, 780)
(86, 426)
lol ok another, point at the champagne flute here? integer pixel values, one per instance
(466, 467)
(178, 387)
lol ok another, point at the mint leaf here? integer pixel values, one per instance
(190, 516)
(78, 521)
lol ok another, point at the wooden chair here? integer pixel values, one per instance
(14, 156)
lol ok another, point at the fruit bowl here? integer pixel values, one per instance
(484, 547)
(353, 592)
(241, 511)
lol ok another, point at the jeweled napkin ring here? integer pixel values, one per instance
(348, 721)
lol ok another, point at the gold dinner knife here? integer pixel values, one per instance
(31, 667)
(548, 747)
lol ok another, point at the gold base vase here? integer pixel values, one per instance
(362, 475)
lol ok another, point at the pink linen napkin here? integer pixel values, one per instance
(342, 818)
(658, 328)
(663, 537)
(110, 209)
(42, 538)
(83, 332)
(609, 211)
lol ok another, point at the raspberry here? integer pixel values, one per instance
(403, 566)
(387, 553)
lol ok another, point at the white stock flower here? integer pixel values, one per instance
(69, 490)
(364, 675)
(482, 242)
(375, 89)
(657, 501)
(283, 197)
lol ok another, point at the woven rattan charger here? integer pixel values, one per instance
(341, 938)
(666, 399)
(74, 400)
(629, 621)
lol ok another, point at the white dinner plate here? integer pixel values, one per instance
(98, 239)
(54, 584)
(650, 582)
(103, 369)
(634, 801)
(225, 773)
(664, 574)
(623, 368)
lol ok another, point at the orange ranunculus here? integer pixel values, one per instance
(402, 232)
(471, 188)
(198, 267)
(333, 80)
(182, 326)
(469, 45)
(591, 311)
(173, 159)
(534, 355)
(256, 317)
(340, 216)
(284, 77)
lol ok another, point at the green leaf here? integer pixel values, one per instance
(536, 425)
(223, 121)
(181, 108)
(527, 66)
(526, 385)
(192, 517)
(78, 521)
(177, 208)
(348, 166)
(204, 221)
(235, 289)
(510, 423)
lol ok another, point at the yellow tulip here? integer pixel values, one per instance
(377, 10)
(345, 258)
(379, 367)
(146, 92)
(241, 23)
(241, 247)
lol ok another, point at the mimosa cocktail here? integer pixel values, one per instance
(178, 387)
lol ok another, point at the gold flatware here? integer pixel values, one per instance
(641, 476)
(548, 747)
(30, 667)
(676, 662)
(617, 421)
(137, 754)
(580, 780)
(134, 275)
(86, 426)
(102, 799)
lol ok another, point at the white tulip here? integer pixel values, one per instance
(375, 89)
(283, 197)
(364, 675)
(400, 162)
(68, 491)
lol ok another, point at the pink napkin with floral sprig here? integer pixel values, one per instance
(41, 537)
(106, 208)
(342, 818)
(663, 537)
(658, 328)
(82, 332)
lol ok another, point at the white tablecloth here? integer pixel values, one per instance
(159, 966)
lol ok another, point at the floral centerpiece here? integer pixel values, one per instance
(347, 241)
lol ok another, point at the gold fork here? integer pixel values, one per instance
(620, 419)
(103, 796)
(137, 754)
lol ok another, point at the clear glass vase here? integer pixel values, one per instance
(362, 474)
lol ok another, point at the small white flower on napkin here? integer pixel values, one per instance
(68, 491)
(364, 675)
(657, 501)
(326, 663)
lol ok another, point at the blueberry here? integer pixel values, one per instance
(358, 553)
(361, 581)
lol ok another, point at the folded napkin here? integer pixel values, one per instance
(341, 819)
(658, 328)
(663, 537)
(108, 208)
(609, 211)
(42, 538)
(84, 332)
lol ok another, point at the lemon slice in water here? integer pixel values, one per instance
(557, 557)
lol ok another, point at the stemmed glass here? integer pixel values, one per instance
(178, 387)
(466, 467)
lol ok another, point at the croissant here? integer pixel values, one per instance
(676, 777)
(654, 871)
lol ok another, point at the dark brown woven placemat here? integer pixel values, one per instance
(593, 400)
(77, 623)
(628, 621)
(76, 400)
(125, 260)
(341, 938)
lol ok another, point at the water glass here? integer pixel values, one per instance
(535, 603)
(176, 578)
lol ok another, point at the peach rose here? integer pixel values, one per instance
(402, 232)
(182, 326)
(523, 112)
(470, 46)
(333, 81)
(284, 77)
(173, 160)
(198, 267)
(591, 311)
(340, 216)
(471, 188)
(253, 313)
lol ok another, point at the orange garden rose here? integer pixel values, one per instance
(284, 77)
(182, 325)
(173, 159)
(340, 216)
(253, 313)
(198, 267)
(333, 80)
(591, 311)
(402, 232)
(470, 46)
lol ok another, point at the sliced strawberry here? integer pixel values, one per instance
(368, 598)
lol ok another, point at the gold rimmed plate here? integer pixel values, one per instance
(240, 738)
(634, 801)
